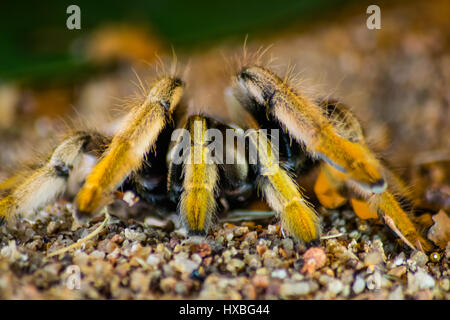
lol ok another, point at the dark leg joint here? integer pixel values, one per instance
(62, 170)
(313, 243)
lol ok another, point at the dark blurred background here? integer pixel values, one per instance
(35, 43)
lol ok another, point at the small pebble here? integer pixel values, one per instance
(52, 227)
(153, 260)
(314, 258)
(251, 237)
(373, 258)
(260, 281)
(196, 259)
(280, 273)
(420, 258)
(295, 289)
(229, 236)
(261, 248)
(98, 254)
(262, 271)
(354, 234)
(346, 291)
(412, 265)
(272, 229)
(287, 244)
(168, 284)
(359, 285)
(399, 260)
(420, 280)
(240, 231)
(396, 294)
(117, 238)
(235, 265)
(184, 265)
(335, 286)
(374, 281)
(181, 288)
(445, 284)
(398, 271)
(204, 250)
(133, 235)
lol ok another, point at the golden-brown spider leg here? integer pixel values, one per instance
(256, 86)
(371, 205)
(390, 210)
(198, 203)
(33, 189)
(129, 146)
(297, 217)
(328, 187)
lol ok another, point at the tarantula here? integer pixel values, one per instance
(140, 157)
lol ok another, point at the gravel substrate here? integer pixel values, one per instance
(248, 260)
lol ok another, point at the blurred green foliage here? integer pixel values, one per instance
(35, 43)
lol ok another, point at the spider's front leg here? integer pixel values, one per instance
(281, 192)
(33, 189)
(260, 90)
(128, 148)
(195, 175)
(150, 181)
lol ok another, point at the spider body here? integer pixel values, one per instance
(179, 169)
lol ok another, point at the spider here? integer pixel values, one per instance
(141, 157)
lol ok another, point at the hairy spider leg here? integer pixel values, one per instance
(389, 205)
(128, 149)
(33, 189)
(281, 192)
(306, 123)
(198, 204)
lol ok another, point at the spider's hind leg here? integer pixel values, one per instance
(34, 188)
(393, 205)
(330, 187)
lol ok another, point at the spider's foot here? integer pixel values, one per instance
(398, 220)
(301, 222)
(82, 216)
